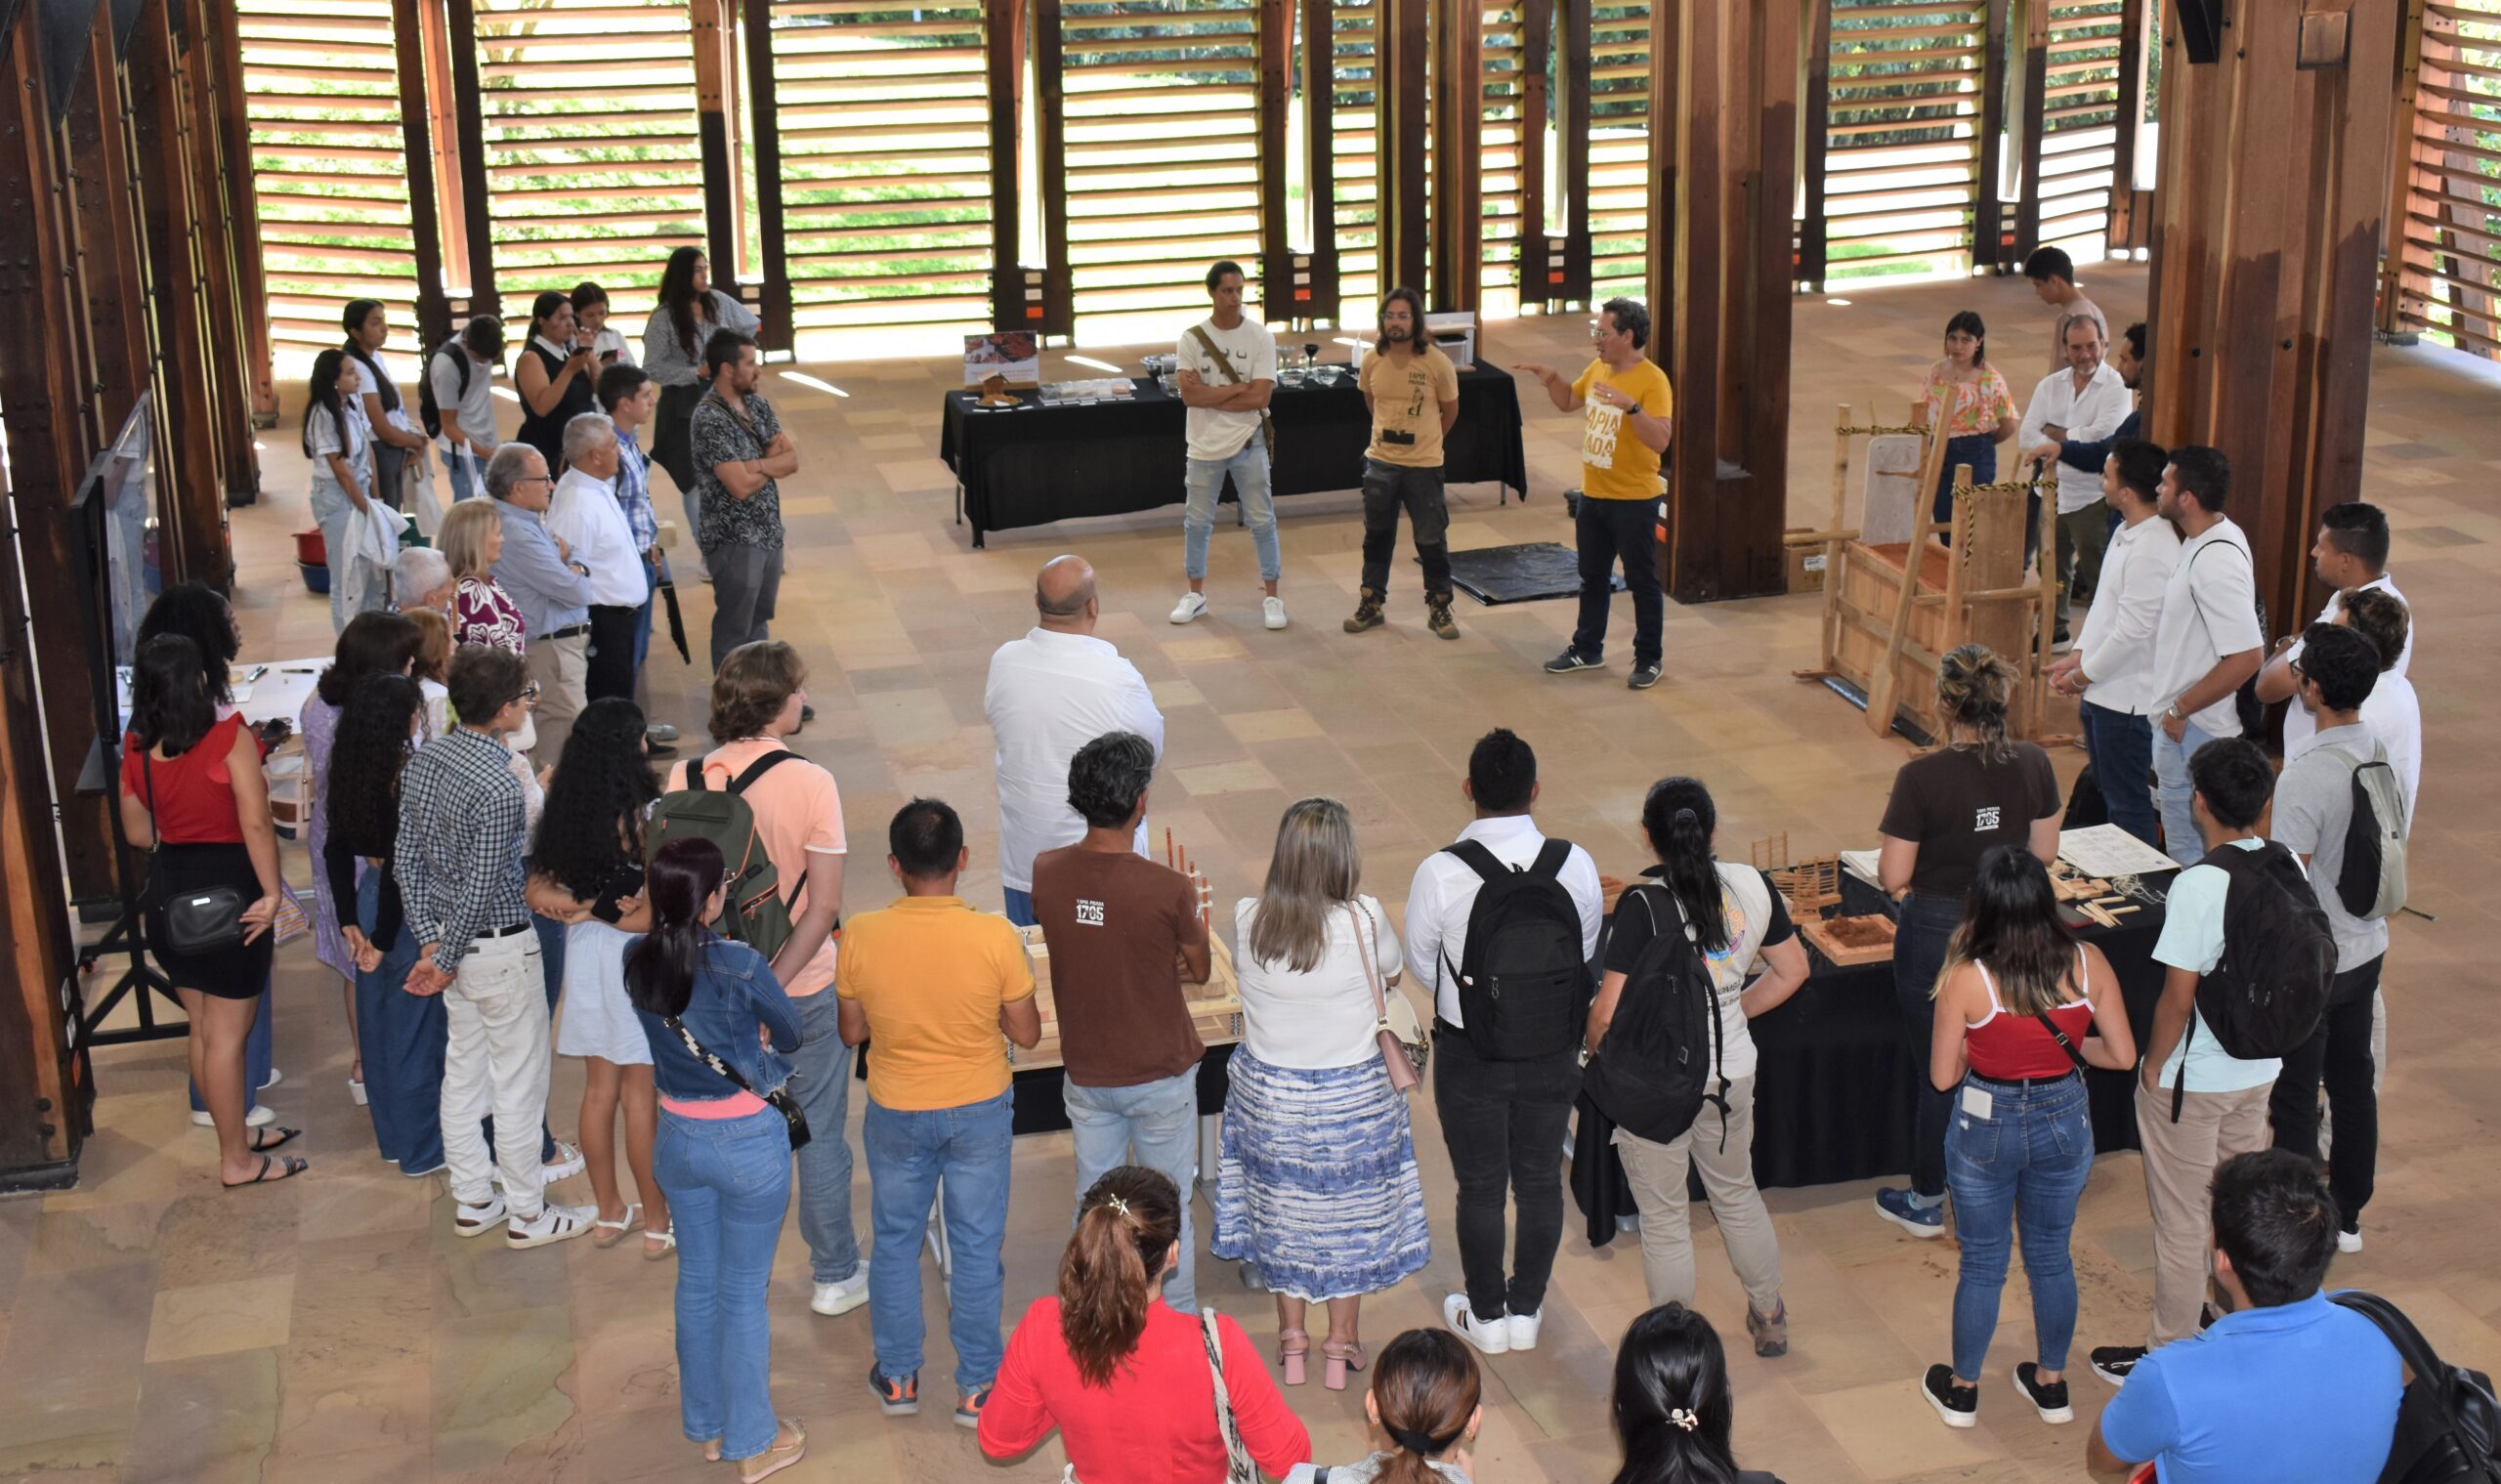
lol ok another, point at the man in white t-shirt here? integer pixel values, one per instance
(1228, 370)
(462, 375)
(2351, 551)
(2086, 401)
(2208, 640)
(2110, 670)
(2220, 1099)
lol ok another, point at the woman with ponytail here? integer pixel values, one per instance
(1425, 1403)
(1672, 1410)
(1740, 924)
(2022, 1009)
(398, 449)
(709, 1005)
(1125, 1378)
(1950, 807)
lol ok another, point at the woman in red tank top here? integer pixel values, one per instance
(2022, 1009)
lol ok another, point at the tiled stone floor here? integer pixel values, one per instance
(333, 1330)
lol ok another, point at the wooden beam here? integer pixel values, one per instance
(1274, 42)
(2274, 193)
(1988, 218)
(712, 57)
(222, 43)
(1570, 279)
(1537, 58)
(1319, 166)
(1457, 214)
(2130, 227)
(1004, 60)
(1399, 64)
(468, 127)
(110, 280)
(1056, 282)
(221, 203)
(1816, 106)
(2031, 125)
(448, 168)
(416, 134)
(778, 310)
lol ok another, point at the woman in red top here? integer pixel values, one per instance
(1125, 1378)
(2017, 1009)
(193, 793)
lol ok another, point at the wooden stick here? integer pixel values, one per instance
(1833, 544)
(1883, 690)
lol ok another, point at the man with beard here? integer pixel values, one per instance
(1413, 391)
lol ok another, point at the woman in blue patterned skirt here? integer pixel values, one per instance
(1316, 1182)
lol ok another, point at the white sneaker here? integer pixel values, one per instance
(355, 1092)
(259, 1116)
(553, 1223)
(276, 1077)
(1273, 611)
(1491, 1339)
(842, 1297)
(1523, 1328)
(2348, 1242)
(569, 1163)
(1190, 606)
(469, 1220)
(660, 731)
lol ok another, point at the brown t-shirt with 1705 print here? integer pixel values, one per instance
(1115, 925)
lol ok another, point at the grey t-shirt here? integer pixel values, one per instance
(2313, 806)
(475, 409)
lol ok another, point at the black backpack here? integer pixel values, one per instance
(1660, 1061)
(429, 412)
(2265, 994)
(2448, 1422)
(1523, 984)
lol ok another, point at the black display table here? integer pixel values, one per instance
(1834, 1088)
(1035, 464)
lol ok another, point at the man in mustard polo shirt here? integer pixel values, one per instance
(1411, 391)
(1626, 402)
(934, 983)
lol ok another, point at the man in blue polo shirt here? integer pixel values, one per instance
(2287, 1385)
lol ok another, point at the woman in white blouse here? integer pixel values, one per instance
(340, 445)
(1316, 1181)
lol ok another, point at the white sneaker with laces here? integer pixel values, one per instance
(553, 1223)
(469, 1220)
(1523, 1329)
(2348, 1242)
(1190, 606)
(1272, 611)
(832, 1299)
(1489, 1336)
(261, 1117)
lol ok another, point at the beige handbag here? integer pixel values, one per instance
(1404, 1050)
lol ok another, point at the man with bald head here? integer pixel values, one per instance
(1052, 692)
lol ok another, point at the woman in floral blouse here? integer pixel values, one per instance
(1969, 400)
(481, 613)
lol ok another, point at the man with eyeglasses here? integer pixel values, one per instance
(462, 828)
(1626, 404)
(552, 587)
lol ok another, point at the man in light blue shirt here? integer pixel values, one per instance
(2220, 1100)
(551, 589)
(2288, 1385)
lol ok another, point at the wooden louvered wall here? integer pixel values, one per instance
(2077, 133)
(1902, 146)
(2443, 273)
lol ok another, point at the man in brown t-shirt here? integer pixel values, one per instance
(1123, 933)
(1412, 389)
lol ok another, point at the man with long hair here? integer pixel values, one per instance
(1411, 391)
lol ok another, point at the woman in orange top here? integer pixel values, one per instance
(1968, 399)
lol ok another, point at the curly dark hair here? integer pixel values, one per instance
(201, 615)
(367, 754)
(592, 827)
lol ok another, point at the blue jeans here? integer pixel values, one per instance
(728, 1183)
(1205, 479)
(1927, 926)
(256, 1055)
(2173, 792)
(959, 1157)
(332, 510)
(401, 1037)
(821, 1081)
(466, 468)
(2121, 748)
(1020, 906)
(2025, 1162)
(1160, 1120)
(1978, 449)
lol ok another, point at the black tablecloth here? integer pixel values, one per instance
(1039, 1109)
(1037, 464)
(1834, 1085)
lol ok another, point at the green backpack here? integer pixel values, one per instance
(755, 912)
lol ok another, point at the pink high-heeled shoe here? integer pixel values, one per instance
(1292, 1346)
(1337, 1361)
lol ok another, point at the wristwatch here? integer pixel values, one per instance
(2173, 712)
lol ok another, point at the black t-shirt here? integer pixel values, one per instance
(1956, 806)
(1630, 933)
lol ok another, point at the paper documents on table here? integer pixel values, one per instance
(2106, 850)
(1863, 864)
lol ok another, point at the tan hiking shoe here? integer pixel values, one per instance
(1437, 616)
(1366, 611)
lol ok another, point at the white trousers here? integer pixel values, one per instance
(496, 1061)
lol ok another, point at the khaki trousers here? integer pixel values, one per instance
(1657, 1174)
(562, 669)
(2181, 1160)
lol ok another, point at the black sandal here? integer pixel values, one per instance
(262, 1143)
(293, 1168)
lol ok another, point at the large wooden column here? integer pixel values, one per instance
(1724, 109)
(2131, 209)
(1400, 48)
(1458, 231)
(2275, 187)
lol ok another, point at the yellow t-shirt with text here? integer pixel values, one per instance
(1615, 465)
(1407, 395)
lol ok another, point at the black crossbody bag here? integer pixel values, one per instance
(192, 919)
(791, 1113)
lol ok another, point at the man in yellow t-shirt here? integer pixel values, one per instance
(1625, 404)
(1412, 389)
(935, 983)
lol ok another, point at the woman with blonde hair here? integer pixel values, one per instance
(1124, 1376)
(1948, 808)
(482, 612)
(433, 668)
(1321, 1219)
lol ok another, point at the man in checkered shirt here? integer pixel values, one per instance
(462, 830)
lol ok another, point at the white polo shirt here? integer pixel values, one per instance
(2089, 416)
(2116, 647)
(2209, 610)
(1048, 694)
(1445, 889)
(585, 511)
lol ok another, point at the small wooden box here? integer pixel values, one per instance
(1847, 941)
(1216, 1006)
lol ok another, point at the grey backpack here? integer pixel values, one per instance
(2372, 883)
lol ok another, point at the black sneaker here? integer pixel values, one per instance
(1956, 1405)
(896, 1397)
(1573, 660)
(2051, 1401)
(1643, 677)
(2116, 1363)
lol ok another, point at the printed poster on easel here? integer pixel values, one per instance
(1015, 357)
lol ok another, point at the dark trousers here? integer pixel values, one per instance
(1920, 941)
(610, 671)
(1388, 490)
(1503, 1122)
(1978, 449)
(2338, 1052)
(746, 585)
(1606, 530)
(2121, 748)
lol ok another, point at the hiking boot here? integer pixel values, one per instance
(1437, 616)
(1770, 1331)
(1367, 612)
